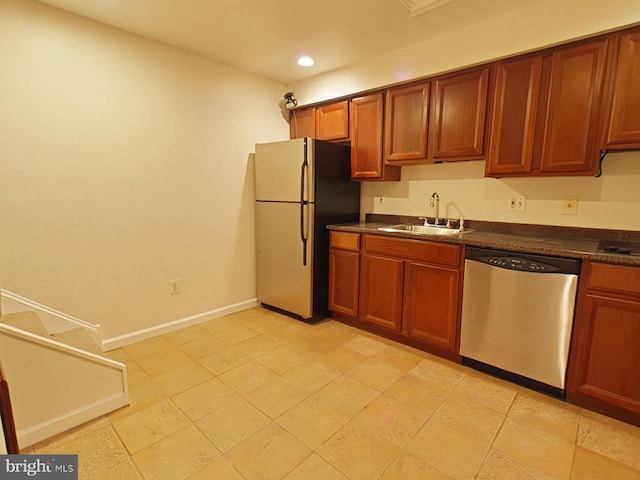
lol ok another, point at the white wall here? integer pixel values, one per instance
(124, 163)
(610, 201)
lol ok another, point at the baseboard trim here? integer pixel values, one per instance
(144, 334)
(37, 433)
(93, 329)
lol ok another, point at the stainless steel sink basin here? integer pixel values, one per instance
(423, 229)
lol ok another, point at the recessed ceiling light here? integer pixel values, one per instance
(306, 61)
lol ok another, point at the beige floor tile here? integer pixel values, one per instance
(469, 417)
(220, 324)
(311, 375)
(258, 345)
(417, 393)
(147, 347)
(282, 359)
(315, 467)
(146, 427)
(205, 398)
(182, 378)
(488, 391)
(375, 373)
(340, 358)
(289, 332)
(185, 335)
(235, 334)
(202, 346)
(248, 377)
(71, 434)
(448, 450)
(545, 451)
(444, 374)
(410, 467)
(126, 470)
(276, 397)
(134, 373)
(119, 355)
(98, 452)
(166, 359)
(359, 454)
(389, 418)
(268, 454)
(260, 321)
(313, 421)
(588, 465)
(347, 395)
(177, 456)
(313, 345)
(546, 413)
(219, 469)
(611, 438)
(398, 358)
(365, 346)
(141, 395)
(224, 360)
(500, 466)
(228, 426)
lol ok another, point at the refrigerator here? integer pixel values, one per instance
(302, 186)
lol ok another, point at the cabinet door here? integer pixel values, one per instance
(332, 121)
(573, 132)
(603, 372)
(459, 115)
(344, 272)
(381, 291)
(302, 123)
(431, 312)
(366, 140)
(514, 116)
(624, 129)
(406, 123)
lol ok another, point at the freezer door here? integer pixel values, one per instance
(281, 172)
(284, 263)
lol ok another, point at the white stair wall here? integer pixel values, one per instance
(55, 387)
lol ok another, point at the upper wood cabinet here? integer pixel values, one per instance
(332, 121)
(624, 127)
(366, 140)
(302, 123)
(548, 110)
(458, 115)
(406, 122)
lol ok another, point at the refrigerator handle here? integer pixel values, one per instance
(303, 204)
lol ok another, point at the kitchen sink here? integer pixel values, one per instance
(423, 229)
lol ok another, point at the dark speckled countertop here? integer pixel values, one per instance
(568, 242)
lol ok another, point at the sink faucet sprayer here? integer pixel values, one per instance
(435, 200)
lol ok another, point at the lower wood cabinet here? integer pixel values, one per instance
(409, 290)
(604, 373)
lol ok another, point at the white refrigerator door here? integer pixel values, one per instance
(279, 171)
(282, 278)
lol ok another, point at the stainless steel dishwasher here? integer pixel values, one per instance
(517, 315)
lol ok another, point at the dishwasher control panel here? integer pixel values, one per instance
(515, 263)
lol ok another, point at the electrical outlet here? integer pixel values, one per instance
(174, 286)
(379, 200)
(518, 203)
(569, 206)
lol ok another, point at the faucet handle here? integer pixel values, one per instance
(426, 220)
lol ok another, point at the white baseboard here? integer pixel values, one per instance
(62, 423)
(139, 335)
(54, 321)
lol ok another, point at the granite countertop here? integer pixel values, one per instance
(568, 242)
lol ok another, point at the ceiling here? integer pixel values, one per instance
(267, 36)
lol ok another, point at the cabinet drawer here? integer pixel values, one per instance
(426, 251)
(344, 240)
(613, 278)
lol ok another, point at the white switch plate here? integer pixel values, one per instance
(518, 203)
(569, 206)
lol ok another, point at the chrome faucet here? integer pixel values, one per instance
(435, 200)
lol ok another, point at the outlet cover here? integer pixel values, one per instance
(174, 286)
(518, 203)
(569, 206)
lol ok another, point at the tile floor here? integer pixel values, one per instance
(257, 395)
